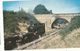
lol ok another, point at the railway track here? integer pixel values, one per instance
(33, 44)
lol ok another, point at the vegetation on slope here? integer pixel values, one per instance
(74, 24)
(11, 20)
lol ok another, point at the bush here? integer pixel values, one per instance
(74, 24)
(41, 9)
(9, 21)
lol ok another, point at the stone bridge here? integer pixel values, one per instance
(48, 19)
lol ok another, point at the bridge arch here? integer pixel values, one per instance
(59, 22)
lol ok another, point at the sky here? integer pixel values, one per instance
(57, 6)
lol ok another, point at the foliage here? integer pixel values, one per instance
(9, 21)
(74, 24)
(21, 16)
(41, 9)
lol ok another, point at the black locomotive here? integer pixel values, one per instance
(38, 28)
(34, 32)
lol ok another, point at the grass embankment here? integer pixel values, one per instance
(74, 24)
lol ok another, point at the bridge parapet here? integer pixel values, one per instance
(67, 16)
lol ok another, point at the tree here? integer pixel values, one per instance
(41, 9)
(9, 21)
(21, 15)
(26, 17)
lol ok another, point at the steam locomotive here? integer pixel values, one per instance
(34, 32)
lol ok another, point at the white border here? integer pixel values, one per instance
(2, 36)
(1, 28)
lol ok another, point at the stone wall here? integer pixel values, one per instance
(48, 19)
